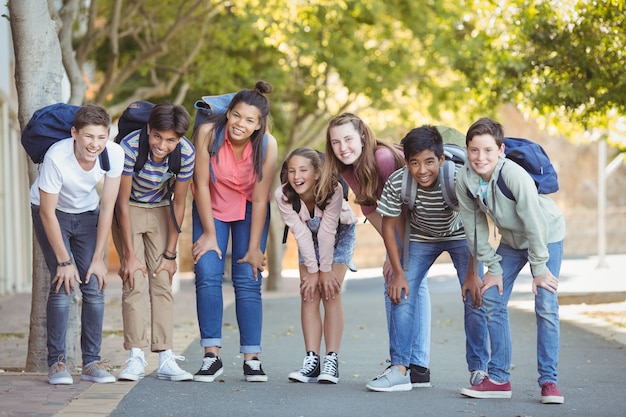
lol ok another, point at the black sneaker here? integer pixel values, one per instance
(310, 369)
(330, 369)
(420, 376)
(211, 368)
(253, 371)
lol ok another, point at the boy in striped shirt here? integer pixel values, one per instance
(149, 211)
(435, 228)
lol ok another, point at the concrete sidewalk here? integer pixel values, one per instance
(364, 351)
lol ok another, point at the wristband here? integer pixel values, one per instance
(66, 263)
(169, 258)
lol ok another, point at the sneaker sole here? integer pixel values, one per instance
(552, 400)
(256, 378)
(421, 385)
(485, 394)
(176, 378)
(130, 377)
(208, 378)
(296, 377)
(61, 381)
(107, 380)
(394, 388)
(327, 379)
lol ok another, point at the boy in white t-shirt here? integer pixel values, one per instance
(72, 223)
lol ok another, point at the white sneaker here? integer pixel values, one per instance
(135, 366)
(169, 369)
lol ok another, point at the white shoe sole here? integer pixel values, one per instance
(393, 388)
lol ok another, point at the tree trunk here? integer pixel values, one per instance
(38, 75)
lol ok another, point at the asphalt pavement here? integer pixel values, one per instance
(592, 364)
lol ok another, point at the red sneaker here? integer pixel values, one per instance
(550, 394)
(488, 389)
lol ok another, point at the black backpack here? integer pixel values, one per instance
(134, 118)
(49, 125)
(296, 204)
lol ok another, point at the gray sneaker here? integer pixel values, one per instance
(391, 380)
(96, 372)
(58, 375)
(476, 377)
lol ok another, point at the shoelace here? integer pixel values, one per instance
(206, 363)
(384, 373)
(309, 364)
(60, 365)
(134, 363)
(95, 364)
(173, 358)
(330, 365)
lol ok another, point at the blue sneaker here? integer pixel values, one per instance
(391, 380)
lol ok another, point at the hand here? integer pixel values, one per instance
(100, 270)
(166, 265)
(387, 271)
(546, 281)
(308, 286)
(256, 259)
(204, 244)
(129, 266)
(472, 284)
(329, 285)
(65, 276)
(491, 281)
(395, 288)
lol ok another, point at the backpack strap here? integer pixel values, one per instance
(142, 150)
(104, 160)
(503, 187)
(446, 179)
(408, 194)
(296, 207)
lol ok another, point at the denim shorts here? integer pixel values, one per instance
(345, 243)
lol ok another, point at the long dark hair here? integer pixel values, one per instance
(257, 99)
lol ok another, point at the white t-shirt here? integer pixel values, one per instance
(61, 174)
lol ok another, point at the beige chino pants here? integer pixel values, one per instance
(152, 293)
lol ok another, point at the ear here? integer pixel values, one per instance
(74, 132)
(501, 151)
(442, 160)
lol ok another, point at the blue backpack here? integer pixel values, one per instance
(534, 159)
(134, 118)
(49, 125)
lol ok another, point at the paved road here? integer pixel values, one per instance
(593, 370)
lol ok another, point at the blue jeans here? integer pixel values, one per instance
(209, 276)
(546, 311)
(79, 234)
(409, 324)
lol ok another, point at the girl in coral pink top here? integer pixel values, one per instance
(231, 198)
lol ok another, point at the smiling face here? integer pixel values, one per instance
(424, 167)
(302, 176)
(162, 143)
(346, 143)
(89, 142)
(483, 153)
(243, 120)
